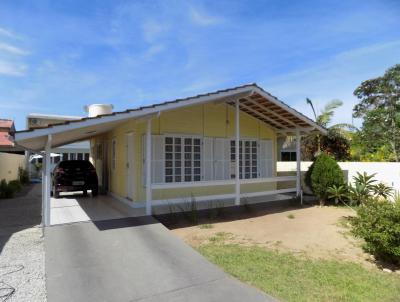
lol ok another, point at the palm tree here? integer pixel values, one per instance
(324, 118)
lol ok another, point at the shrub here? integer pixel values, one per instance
(378, 223)
(15, 185)
(322, 174)
(6, 191)
(338, 193)
(23, 175)
(382, 190)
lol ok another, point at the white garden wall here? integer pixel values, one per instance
(9, 164)
(386, 172)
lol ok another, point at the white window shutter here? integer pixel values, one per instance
(227, 159)
(221, 159)
(219, 151)
(208, 158)
(157, 158)
(266, 159)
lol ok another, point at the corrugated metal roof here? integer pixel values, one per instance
(279, 123)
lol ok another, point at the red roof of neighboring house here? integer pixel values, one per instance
(6, 123)
(5, 127)
(4, 140)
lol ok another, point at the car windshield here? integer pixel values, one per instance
(76, 164)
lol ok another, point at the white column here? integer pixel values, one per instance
(27, 163)
(237, 138)
(43, 192)
(298, 163)
(48, 180)
(148, 168)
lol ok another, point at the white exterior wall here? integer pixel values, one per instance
(386, 172)
(9, 164)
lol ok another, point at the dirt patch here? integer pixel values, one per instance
(314, 231)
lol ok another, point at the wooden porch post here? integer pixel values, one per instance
(298, 163)
(48, 181)
(148, 168)
(237, 139)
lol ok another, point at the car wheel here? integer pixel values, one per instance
(95, 192)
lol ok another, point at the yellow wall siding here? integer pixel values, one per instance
(210, 120)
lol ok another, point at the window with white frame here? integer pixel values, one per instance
(248, 159)
(182, 159)
(113, 154)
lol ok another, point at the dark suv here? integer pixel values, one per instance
(74, 175)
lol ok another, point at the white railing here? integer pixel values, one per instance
(176, 185)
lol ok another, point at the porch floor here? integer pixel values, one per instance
(73, 207)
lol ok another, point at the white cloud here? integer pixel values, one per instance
(335, 78)
(152, 30)
(12, 69)
(7, 33)
(12, 49)
(202, 18)
(153, 50)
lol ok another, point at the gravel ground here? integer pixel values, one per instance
(22, 274)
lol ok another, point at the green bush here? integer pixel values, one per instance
(378, 223)
(15, 185)
(23, 175)
(322, 174)
(6, 191)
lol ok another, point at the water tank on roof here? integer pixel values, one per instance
(98, 109)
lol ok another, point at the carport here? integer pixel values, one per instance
(71, 208)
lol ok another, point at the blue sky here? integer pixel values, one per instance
(57, 56)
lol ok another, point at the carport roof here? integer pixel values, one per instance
(254, 101)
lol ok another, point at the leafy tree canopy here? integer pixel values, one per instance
(335, 142)
(380, 107)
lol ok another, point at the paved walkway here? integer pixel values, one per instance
(132, 259)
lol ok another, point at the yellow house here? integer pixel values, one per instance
(215, 146)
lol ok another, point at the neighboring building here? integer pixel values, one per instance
(11, 156)
(7, 128)
(78, 150)
(216, 146)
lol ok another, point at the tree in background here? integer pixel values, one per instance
(379, 136)
(335, 143)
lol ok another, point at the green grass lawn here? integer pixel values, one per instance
(291, 278)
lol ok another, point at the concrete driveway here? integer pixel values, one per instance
(132, 259)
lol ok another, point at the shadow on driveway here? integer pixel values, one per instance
(21, 212)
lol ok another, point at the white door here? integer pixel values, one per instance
(129, 166)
